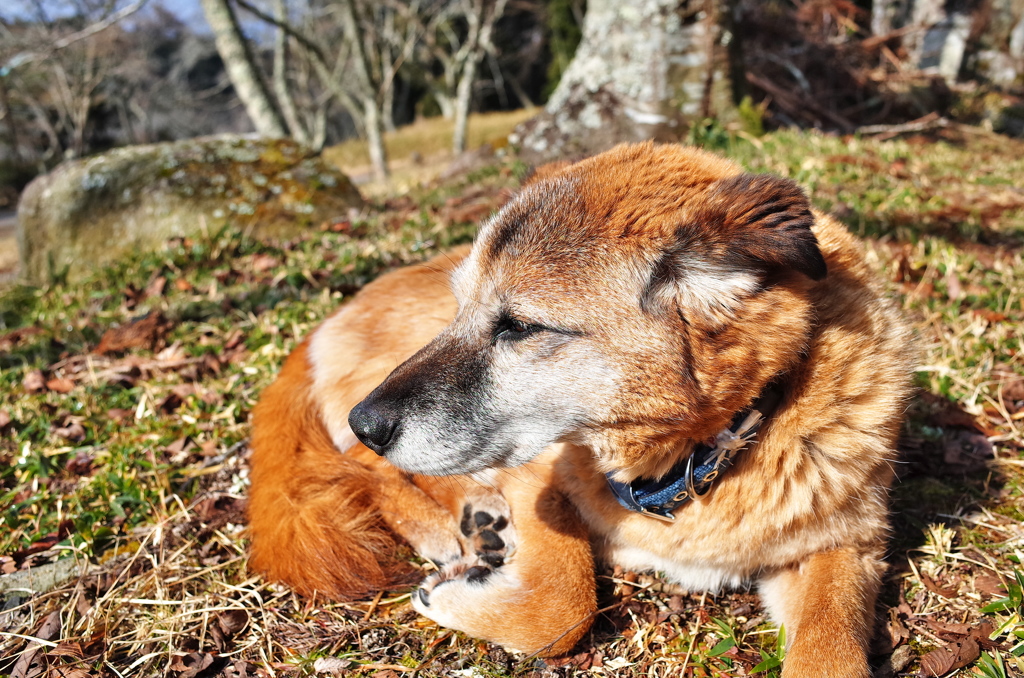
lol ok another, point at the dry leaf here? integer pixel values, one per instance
(156, 287)
(80, 465)
(986, 583)
(60, 385)
(191, 664)
(5, 419)
(147, 332)
(953, 289)
(987, 315)
(72, 430)
(954, 656)
(73, 650)
(261, 263)
(944, 591)
(232, 621)
(66, 671)
(34, 382)
(32, 664)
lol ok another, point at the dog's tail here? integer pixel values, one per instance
(313, 521)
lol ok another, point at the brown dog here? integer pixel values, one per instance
(676, 366)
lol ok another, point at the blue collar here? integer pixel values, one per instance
(691, 478)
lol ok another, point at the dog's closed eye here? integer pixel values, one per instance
(509, 328)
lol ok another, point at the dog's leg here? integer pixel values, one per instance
(827, 606)
(528, 581)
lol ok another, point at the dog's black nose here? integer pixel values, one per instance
(374, 428)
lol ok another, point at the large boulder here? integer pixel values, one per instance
(92, 211)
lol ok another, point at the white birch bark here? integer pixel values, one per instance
(241, 67)
(642, 70)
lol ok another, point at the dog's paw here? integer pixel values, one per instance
(485, 529)
(489, 540)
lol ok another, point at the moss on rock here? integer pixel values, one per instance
(92, 211)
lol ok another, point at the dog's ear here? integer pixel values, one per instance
(767, 219)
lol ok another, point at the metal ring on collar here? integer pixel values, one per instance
(691, 486)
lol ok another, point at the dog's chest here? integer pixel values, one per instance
(694, 576)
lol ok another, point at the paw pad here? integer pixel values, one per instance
(481, 530)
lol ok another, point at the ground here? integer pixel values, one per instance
(125, 401)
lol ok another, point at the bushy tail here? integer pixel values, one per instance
(313, 520)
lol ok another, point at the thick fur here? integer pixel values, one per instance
(614, 314)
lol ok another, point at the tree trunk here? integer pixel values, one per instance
(641, 71)
(463, 100)
(241, 67)
(481, 16)
(284, 96)
(375, 141)
(367, 93)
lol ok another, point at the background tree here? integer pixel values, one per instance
(641, 69)
(241, 66)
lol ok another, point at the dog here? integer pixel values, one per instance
(648, 358)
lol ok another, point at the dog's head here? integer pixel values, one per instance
(631, 302)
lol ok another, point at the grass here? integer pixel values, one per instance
(419, 153)
(134, 462)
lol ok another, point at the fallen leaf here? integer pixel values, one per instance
(943, 660)
(60, 385)
(72, 430)
(147, 332)
(80, 465)
(953, 289)
(898, 631)
(944, 591)
(232, 621)
(989, 316)
(261, 263)
(15, 337)
(191, 664)
(156, 287)
(5, 419)
(66, 671)
(34, 382)
(182, 285)
(73, 650)
(967, 449)
(31, 664)
(986, 583)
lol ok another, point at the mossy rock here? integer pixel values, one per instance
(92, 211)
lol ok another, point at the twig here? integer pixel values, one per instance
(798, 105)
(931, 121)
(23, 58)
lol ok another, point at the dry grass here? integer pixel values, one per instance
(419, 153)
(167, 593)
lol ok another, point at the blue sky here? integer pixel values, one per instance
(188, 11)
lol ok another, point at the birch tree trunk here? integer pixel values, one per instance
(241, 67)
(481, 16)
(463, 101)
(367, 93)
(641, 71)
(281, 91)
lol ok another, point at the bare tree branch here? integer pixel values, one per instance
(28, 57)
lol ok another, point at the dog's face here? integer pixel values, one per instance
(632, 303)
